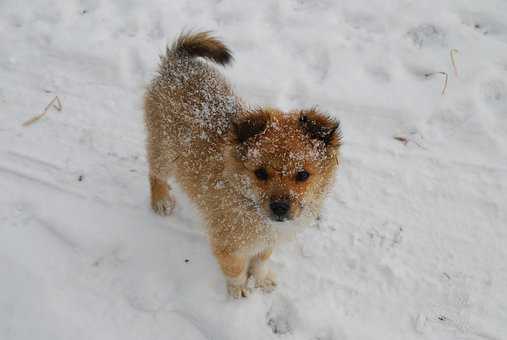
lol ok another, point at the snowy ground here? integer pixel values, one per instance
(413, 239)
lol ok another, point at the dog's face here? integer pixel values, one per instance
(284, 162)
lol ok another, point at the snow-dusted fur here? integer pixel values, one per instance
(411, 240)
(200, 133)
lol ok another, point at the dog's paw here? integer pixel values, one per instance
(268, 283)
(164, 206)
(237, 292)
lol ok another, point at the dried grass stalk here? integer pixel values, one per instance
(55, 103)
(453, 62)
(445, 79)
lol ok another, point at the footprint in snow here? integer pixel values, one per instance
(427, 35)
(485, 24)
(281, 316)
(450, 314)
(493, 93)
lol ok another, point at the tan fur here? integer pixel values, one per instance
(203, 135)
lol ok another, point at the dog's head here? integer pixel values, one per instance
(283, 162)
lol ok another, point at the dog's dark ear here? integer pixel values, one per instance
(250, 124)
(321, 127)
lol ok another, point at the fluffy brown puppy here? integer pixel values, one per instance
(251, 171)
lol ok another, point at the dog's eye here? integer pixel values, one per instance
(261, 174)
(302, 176)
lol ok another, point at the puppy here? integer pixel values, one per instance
(249, 170)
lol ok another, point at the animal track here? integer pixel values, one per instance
(388, 238)
(427, 35)
(280, 317)
(493, 93)
(485, 24)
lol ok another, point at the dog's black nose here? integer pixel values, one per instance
(280, 208)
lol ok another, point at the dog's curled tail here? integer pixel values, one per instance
(202, 44)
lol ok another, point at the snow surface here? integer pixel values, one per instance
(412, 241)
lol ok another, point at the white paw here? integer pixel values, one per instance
(164, 207)
(237, 292)
(268, 283)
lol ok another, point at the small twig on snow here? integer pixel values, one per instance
(405, 141)
(56, 103)
(445, 79)
(401, 139)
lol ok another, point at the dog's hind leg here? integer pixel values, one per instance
(161, 200)
(161, 163)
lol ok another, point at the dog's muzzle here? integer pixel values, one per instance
(280, 210)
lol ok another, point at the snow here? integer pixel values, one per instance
(411, 243)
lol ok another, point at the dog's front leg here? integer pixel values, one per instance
(264, 277)
(235, 270)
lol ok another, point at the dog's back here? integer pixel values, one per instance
(189, 93)
(189, 106)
